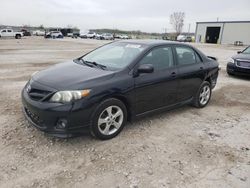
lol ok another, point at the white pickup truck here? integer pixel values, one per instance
(10, 33)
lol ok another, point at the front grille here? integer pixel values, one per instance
(38, 95)
(34, 118)
(243, 63)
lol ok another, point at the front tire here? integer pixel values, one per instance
(203, 95)
(109, 119)
(229, 73)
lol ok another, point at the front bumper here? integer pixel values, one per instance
(45, 116)
(233, 69)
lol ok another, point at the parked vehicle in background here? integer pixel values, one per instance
(184, 38)
(165, 37)
(5, 33)
(116, 36)
(54, 34)
(38, 33)
(107, 36)
(240, 63)
(98, 36)
(100, 91)
(75, 35)
(25, 32)
(91, 35)
(123, 37)
(83, 35)
(70, 34)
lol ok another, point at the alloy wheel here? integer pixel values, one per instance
(204, 95)
(110, 120)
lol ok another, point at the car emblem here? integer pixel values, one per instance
(28, 88)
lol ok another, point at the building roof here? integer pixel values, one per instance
(223, 22)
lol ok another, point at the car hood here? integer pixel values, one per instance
(242, 56)
(70, 76)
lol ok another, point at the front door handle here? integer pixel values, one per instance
(201, 68)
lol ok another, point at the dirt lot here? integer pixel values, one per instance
(187, 147)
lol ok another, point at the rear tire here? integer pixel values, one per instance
(109, 119)
(203, 95)
(18, 36)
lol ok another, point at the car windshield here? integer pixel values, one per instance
(246, 51)
(114, 56)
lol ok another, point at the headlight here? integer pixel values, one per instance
(68, 96)
(231, 60)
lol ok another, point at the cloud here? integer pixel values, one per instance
(75, 7)
(149, 15)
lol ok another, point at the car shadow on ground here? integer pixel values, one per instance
(135, 125)
(239, 77)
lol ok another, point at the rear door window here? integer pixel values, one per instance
(187, 56)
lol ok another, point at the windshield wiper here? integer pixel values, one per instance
(92, 63)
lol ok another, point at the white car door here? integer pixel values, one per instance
(9, 33)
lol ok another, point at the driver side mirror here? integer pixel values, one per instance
(145, 68)
(239, 52)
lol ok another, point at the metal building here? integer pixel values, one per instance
(227, 32)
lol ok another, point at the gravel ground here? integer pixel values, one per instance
(186, 147)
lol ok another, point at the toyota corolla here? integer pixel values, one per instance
(118, 82)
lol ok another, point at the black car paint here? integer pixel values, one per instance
(141, 93)
(70, 75)
(233, 69)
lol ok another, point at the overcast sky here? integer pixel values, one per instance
(144, 15)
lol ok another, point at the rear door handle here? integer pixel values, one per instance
(173, 74)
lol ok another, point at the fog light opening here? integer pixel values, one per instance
(62, 124)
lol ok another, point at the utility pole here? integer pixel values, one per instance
(189, 25)
(164, 37)
(164, 30)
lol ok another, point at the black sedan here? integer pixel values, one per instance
(120, 81)
(240, 63)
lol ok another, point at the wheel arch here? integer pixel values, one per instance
(208, 79)
(211, 78)
(121, 98)
(126, 103)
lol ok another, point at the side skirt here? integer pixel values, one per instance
(162, 109)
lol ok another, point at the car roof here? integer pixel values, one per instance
(155, 43)
(151, 43)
